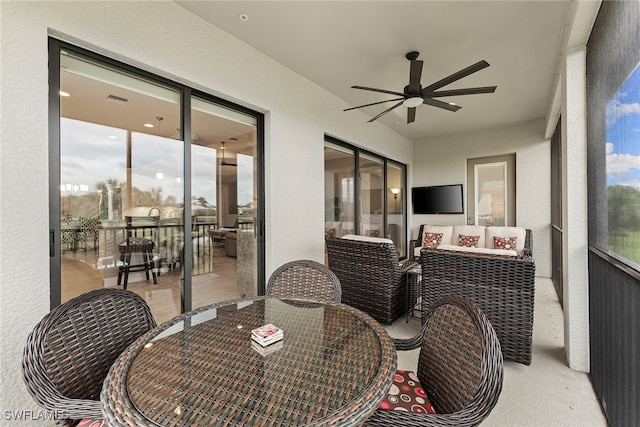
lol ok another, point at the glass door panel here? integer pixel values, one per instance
(339, 190)
(396, 192)
(224, 203)
(491, 191)
(371, 196)
(121, 155)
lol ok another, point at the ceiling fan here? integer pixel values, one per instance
(223, 162)
(414, 94)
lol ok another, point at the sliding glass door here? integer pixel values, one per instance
(121, 171)
(224, 202)
(364, 194)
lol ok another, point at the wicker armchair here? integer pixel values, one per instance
(460, 367)
(372, 278)
(69, 352)
(503, 288)
(304, 279)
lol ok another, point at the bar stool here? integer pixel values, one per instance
(137, 245)
(131, 246)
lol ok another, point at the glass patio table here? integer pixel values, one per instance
(333, 367)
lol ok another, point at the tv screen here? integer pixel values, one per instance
(438, 199)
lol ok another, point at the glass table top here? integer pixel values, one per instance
(332, 367)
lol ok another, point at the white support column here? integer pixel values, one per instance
(574, 211)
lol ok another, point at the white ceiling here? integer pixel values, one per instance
(337, 44)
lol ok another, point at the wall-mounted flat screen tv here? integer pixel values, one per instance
(437, 199)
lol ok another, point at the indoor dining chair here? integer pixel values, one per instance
(459, 375)
(304, 279)
(69, 352)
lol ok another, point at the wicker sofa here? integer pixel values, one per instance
(371, 276)
(450, 236)
(502, 286)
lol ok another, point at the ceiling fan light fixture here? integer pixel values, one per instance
(412, 102)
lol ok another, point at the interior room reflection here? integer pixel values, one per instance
(122, 182)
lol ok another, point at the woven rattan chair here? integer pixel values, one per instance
(69, 352)
(304, 279)
(459, 367)
(372, 278)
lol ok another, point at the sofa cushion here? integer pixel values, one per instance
(431, 240)
(470, 230)
(406, 394)
(486, 251)
(446, 230)
(519, 233)
(367, 238)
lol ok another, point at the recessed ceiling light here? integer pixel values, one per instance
(148, 125)
(63, 93)
(244, 17)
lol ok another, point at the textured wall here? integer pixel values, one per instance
(443, 160)
(574, 211)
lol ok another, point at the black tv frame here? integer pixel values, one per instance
(436, 199)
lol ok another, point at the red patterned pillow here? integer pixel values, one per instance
(504, 242)
(372, 233)
(468, 241)
(431, 240)
(406, 394)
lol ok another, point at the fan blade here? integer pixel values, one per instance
(373, 89)
(384, 112)
(411, 115)
(456, 76)
(440, 104)
(414, 77)
(467, 91)
(373, 103)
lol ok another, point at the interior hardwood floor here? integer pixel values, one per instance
(214, 279)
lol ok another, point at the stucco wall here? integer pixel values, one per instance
(165, 39)
(443, 160)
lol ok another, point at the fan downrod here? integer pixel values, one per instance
(412, 56)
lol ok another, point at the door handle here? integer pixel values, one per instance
(52, 243)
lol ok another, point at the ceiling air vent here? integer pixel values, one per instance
(115, 98)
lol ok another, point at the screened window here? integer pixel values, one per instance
(622, 150)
